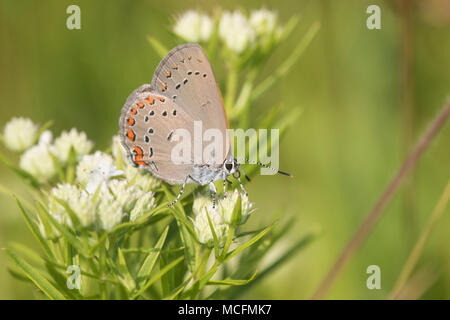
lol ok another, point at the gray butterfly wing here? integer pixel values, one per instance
(185, 76)
(148, 125)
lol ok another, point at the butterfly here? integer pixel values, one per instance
(183, 92)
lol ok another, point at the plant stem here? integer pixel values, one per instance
(420, 244)
(363, 231)
(288, 63)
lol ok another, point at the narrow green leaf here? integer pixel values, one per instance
(36, 232)
(247, 244)
(158, 275)
(65, 232)
(28, 253)
(18, 274)
(42, 283)
(232, 282)
(73, 216)
(124, 274)
(287, 65)
(300, 244)
(150, 260)
(216, 240)
(187, 233)
(159, 48)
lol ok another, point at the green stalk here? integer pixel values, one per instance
(287, 65)
(415, 254)
(230, 237)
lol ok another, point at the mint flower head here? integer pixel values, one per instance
(193, 26)
(20, 134)
(72, 139)
(203, 207)
(76, 199)
(236, 208)
(38, 162)
(121, 200)
(202, 226)
(263, 21)
(236, 31)
(95, 170)
(141, 177)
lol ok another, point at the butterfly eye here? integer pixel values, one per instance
(229, 166)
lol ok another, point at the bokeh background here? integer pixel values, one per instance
(366, 96)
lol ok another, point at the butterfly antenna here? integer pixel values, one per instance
(246, 176)
(267, 167)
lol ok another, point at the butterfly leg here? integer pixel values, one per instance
(224, 185)
(180, 193)
(213, 193)
(237, 175)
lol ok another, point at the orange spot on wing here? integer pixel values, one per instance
(150, 100)
(164, 87)
(139, 156)
(138, 150)
(161, 99)
(131, 121)
(175, 67)
(141, 105)
(169, 74)
(131, 135)
(133, 111)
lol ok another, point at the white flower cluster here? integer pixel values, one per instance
(102, 202)
(238, 31)
(103, 195)
(222, 215)
(68, 140)
(39, 153)
(20, 134)
(194, 26)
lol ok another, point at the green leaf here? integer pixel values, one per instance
(73, 216)
(48, 229)
(65, 232)
(288, 254)
(60, 282)
(158, 275)
(298, 245)
(124, 274)
(187, 233)
(289, 27)
(288, 63)
(18, 274)
(41, 282)
(28, 253)
(150, 260)
(36, 232)
(159, 48)
(216, 241)
(247, 244)
(232, 282)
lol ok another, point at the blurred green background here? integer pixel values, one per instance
(366, 96)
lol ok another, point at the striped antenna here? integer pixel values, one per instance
(266, 166)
